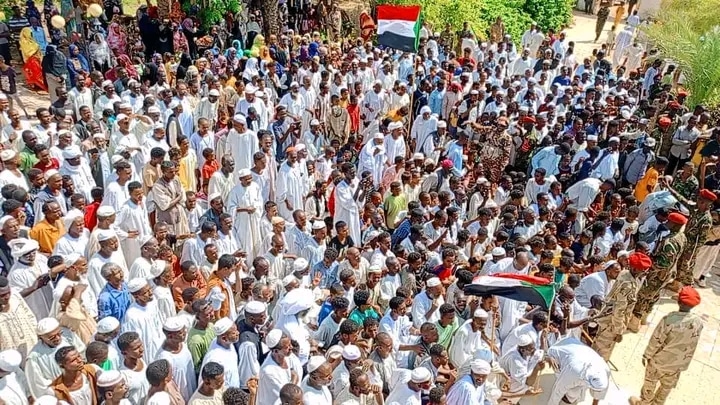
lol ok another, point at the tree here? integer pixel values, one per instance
(270, 17)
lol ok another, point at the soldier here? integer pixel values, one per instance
(662, 271)
(623, 295)
(696, 232)
(670, 349)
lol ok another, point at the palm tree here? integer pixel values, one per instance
(271, 17)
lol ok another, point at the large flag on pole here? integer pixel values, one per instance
(530, 289)
(399, 27)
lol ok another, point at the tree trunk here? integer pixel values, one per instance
(271, 17)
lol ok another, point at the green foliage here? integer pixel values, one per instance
(481, 14)
(550, 14)
(688, 33)
(210, 12)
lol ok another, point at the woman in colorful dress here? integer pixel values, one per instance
(117, 39)
(76, 63)
(33, 60)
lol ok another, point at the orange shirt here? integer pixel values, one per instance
(224, 310)
(180, 284)
(209, 168)
(649, 180)
(47, 234)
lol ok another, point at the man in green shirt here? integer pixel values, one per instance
(363, 309)
(202, 333)
(27, 155)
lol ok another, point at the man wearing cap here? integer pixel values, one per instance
(108, 253)
(682, 145)
(623, 296)
(421, 134)
(169, 198)
(106, 100)
(75, 271)
(223, 352)
(108, 329)
(75, 166)
(372, 158)
(143, 318)
(410, 393)
(40, 365)
(12, 174)
(175, 351)
(670, 349)
(290, 191)
(277, 370)
(315, 386)
(13, 385)
(251, 350)
(665, 257)
(580, 369)
(245, 204)
(112, 388)
(637, 162)
(470, 389)
(469, 338)
(30, 275)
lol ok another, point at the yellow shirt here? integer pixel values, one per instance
(649, 180)
(47, 234)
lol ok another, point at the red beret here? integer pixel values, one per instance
(527, 120)
(689, 296)
(446, 164)
(707, 194)
(640, 261)
(665, 121)
(677, 218)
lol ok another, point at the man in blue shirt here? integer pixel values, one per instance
(436, 98)
(114, 299)
(38, 33)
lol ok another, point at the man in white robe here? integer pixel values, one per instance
(520, 364)
(133, 219)
(250, 348)
(580, 369)
(346, 205)
(142, 317)
(30, 276)
(222, 181)
(470, 389)
(372, 158)
(223, 352)
(423, 132)
(13, 383)
(246, 206)
(108, 253)
(598, 283)
(116, 192)
(532, 330)
(176, 352)
(623, 39)
(395, 142)
(469, 338)
(426, 305)
(208, 108)
(242, 143)
(145, 264)
(409, 393)
(79, 171)
(289, 192)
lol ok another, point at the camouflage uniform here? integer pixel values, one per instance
(668, 353)
(623, 295)
(661, 273)
(696, 232)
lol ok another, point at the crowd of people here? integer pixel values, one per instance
(213, 217)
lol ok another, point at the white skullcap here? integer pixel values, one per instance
(250, 89)
(137, 284)
(144, 239)
(351, 352)
(299, 147)
(433, 282)
(106, 83)
(314, 363)
(107, 325)
(153, 110)
(21, 246)
(394, 125)
(420, 375)
(614, 139)
(273, 338)
(418, 156)
(3, 96)
(288, 280)
(50, 173)
(374, 269)
(314, 122)
(105, 211)
(379, 135)
(498, 251)
(109, 378)
(474, 92)
(255, 307)
(277, 220)
(479, 366)
(244, 173)
(214, 93)
(441, 124)
(47, 325)
(7, 154)
(120, 117)
(240, 119)
(125, 105)
(222, 326)
(46, 400)
(214, 196)
(105, 234)
(300, 264)
(624, 253)
(317, 225)
(173, 324)
(294, 84)
(425, 109)
(259, 94)
(592, 138)
(10, 360)
(480, 313)
(71, 259)
(4, 220)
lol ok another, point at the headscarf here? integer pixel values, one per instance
(313, 49)
(116, 38)
(54, 63)
(124, 61)
(28, 45)
(31, 10)
(83, 61)
(188, 25)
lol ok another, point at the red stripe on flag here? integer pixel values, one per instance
(522, 277)
(407, 13)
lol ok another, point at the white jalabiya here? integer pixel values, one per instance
(242, 147)
(248, 358)
(372, 158)
(519, 369)
(623, 39)
(194, 249)
(133, 217)
(290, 188)
(137, 383)
(67, 245)
(89, 299)
(227, 358)
(511, 341)
(399, 331)
(226, 244)
(95, 278)
(314, 396)
(145, 321)
(221, 184)
(14, 388)
(115, 195)
(346, 208)
(464, 391)
(81, 176)
(394, 147)
(41, 367)
(141, 268)
(272, 378)
(465, 343)
(592, 284)
(340, 379)
(422, 132)
(510, 312)
(402, 394)
(421, 305)
(246, 226)
(165, 303)
(580, 368)
(292, 327)
(183, 371)
(8, 177)
(22, 276)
